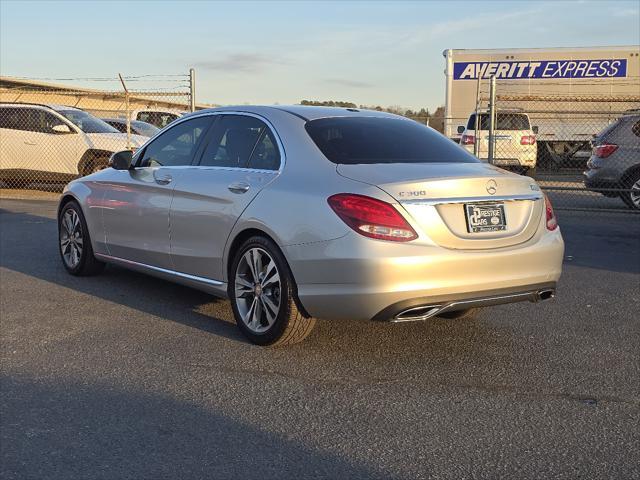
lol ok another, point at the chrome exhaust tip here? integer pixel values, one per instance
(546, 294)
(417, 314)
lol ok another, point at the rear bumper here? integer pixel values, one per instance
(424, 308)
(358, 278)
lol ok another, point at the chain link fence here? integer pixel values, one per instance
(583, 150)
(50, 135)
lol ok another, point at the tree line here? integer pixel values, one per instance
(434, 120)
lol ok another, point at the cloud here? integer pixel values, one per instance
(242, 63)
(343, 82)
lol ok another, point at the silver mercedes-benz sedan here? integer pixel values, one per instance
(297, 213)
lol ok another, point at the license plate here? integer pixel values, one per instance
(485, 217)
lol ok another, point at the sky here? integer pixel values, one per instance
(386, 53)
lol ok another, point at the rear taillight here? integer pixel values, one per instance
(552, 221)
(468, 140)
(372, 218)
(604, 150)
(527, 140)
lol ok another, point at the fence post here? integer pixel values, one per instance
(492, 119)
(126, 106)
(476, 140)
(192, 89)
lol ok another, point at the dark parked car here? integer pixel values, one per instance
(614, 166)
(137, 127)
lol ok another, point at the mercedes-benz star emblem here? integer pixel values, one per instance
(492, 187)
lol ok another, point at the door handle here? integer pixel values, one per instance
(30, 143)
(163, 179)
(239, 187)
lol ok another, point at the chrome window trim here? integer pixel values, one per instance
(485, 199)
(188, 117)
(186, 276)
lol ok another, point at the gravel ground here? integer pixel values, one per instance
(126, 376)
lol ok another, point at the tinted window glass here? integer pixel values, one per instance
(504, 121)
(232, 142)
(87, 122)
(29, 119)
(18, 119)
(120, 126)
(159, 119)
(143, 128)
(266, 155)
(176, 146)
(367, 140)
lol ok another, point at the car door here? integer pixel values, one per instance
(136, 202)
(243, 154)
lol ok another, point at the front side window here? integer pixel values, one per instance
(232, 142)
(176, 146)
(369, 140)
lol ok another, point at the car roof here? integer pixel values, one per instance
(304, 112)
(52, 106)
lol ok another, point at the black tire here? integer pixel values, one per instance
(460, 314)
(97, 163)
(628, 183)
(290, 324)
(87, 263)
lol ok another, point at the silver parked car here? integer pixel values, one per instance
(614, 166)
(297, 213)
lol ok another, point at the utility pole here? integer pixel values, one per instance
(192, 89)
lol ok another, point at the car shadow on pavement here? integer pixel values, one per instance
(56, 429)
(28, 245)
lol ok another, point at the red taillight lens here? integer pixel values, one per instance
(468, 139)
(527, 140)
(552, 221)
(604, 150)
(372, 218)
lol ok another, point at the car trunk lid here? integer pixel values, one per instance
(436, 195)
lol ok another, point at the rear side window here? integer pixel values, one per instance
(240, 141)
(369, 140)
(504, 121)
(28, 119)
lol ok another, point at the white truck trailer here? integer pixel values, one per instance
(570, 94)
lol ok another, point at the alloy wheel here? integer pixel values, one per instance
(71, 239)
(257, 290)
(635, 194)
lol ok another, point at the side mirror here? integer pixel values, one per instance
(121, 160)
(61, 128)
(534, 129)
(460, 129)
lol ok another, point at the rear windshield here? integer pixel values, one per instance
(368, 140)
(504, 121)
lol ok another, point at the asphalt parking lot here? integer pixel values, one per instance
(126, 376)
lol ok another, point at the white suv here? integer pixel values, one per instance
(515, 141)
(55, 142)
